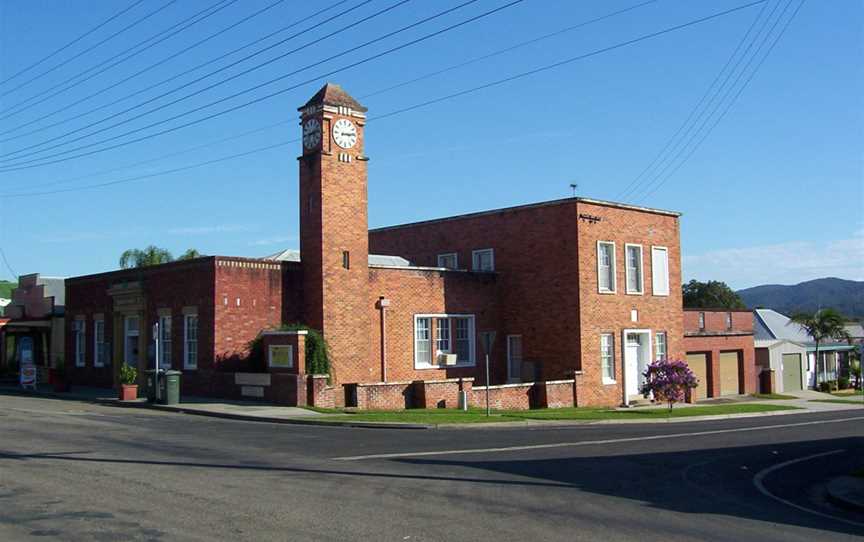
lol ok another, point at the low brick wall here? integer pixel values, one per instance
(380, 395)
(503, 397)
(555, 394)
(440, 393)
(319, 393)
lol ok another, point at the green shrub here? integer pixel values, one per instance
(128, 374)
(843, 382)
(828, 386)
(317, 357)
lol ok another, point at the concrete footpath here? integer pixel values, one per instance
(269, 413)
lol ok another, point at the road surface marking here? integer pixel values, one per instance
(588, 442)
(757, 481)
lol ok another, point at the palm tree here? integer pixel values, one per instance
(825, 324)
(152, 255)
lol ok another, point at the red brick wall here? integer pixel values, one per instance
(537, 278)
(714, 345)
(381, 396)
(556, 394)
(611, 313)
(504, 397)
(258, 286)
(715, 320)
(414, 292)
(173, 286)
(440, 393)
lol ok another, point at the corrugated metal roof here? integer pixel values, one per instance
(778, 326)
(291, 255)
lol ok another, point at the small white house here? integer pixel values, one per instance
(784, 347)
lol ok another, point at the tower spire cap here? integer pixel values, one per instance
(333, 94)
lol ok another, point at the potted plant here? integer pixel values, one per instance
(58, 378)
(128, 383)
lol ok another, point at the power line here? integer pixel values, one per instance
(214, 85)
(23, 165)
(71, 43)
(634, 183)
(730, 103)
(87, 50)
(398, 112)
(508, 49)
(269, 126)
(162, 35)
(136, 74)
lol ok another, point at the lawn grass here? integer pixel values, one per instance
(446, 416)
(772, 396)
(849, 394)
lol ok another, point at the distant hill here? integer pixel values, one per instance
(847, 296)
(6, 288)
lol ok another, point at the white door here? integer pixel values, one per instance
(632, 361)
(514, 358)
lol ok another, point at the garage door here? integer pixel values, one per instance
(699, 365)
(791, 372)
(729, 373)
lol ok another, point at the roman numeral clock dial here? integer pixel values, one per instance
(311, 133)
(344, 133)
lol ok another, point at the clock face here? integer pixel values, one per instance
(311, 133)
(345, 133)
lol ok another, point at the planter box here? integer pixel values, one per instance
(128, 392)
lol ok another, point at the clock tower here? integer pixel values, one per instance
(334, 230)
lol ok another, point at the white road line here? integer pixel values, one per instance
(588, 442)
(757, 481)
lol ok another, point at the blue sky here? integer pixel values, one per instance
(773, 194)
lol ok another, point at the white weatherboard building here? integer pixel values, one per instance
(784, 347)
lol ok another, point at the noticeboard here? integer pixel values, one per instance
(281, 356)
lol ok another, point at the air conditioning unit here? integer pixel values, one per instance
(447, 359)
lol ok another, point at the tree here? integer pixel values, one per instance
(824, 325)
(710, 295)
(152, 255)
(190, 254)
(669, 381)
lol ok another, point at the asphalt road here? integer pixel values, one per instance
(76, 471)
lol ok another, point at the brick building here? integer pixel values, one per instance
(720, 351)
(581, 293)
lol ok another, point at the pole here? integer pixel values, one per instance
(487, 384)
(156, 350)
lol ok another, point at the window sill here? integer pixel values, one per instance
(606, 292)
(607, 382)
(635, 293)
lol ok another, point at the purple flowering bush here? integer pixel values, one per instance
(669, 381)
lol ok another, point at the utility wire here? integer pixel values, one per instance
(24, 165)
(147, 43)
(71, 43)
(134, 75)
(508, 49)
(393, 113)
(651, 191)
(490, 55)
(634, 183)
(3, 157)
(87, 50)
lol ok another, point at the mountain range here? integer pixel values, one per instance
(847, 296)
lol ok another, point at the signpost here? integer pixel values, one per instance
(488, 339)
(28, 369)
(156, 361)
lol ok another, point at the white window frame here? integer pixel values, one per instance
(163, 363)
(433, 343)
(446, 255)
(665, 341)
(700, 320)
(479, 252)
(273, 347)
(729, 322)
(187, 341)
(612, 268)
(610, 355)
(641, 290)
(80, 336)
(98, 346)
(655, 290)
